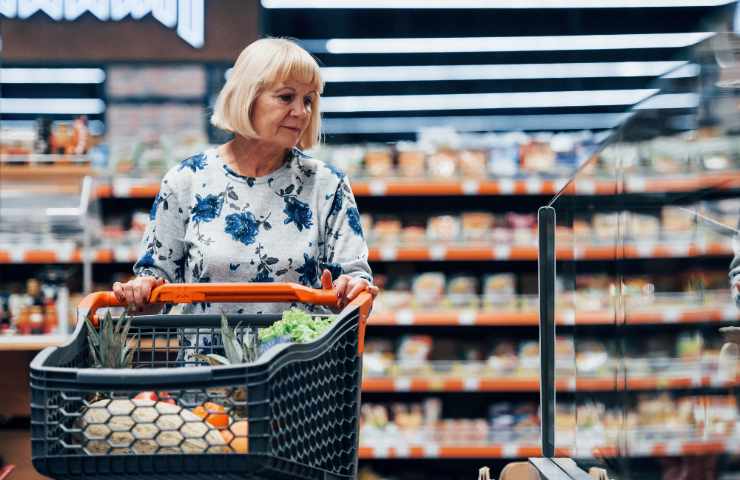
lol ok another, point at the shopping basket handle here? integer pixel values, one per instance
(217, 293)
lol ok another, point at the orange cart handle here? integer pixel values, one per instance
(217, 293)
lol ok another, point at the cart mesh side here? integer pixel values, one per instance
(291, 414)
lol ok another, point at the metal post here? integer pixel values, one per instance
(546, 270)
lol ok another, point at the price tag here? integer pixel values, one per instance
(533, 185)
(388, 253)
(585, 187)
(466, 317)
(402, 384)
(471, 384)
(64, 253)
(470, 187)
(506, 186)
(405, 317)
(636, 184)
(402, 451)
(502, 252)
(679, 249)
(17, 255)
(431, 450)
(730, 313)
(377, 188)
(437, 252)
(578, 252)
(674, 448)
(510, 450)
(560, 184)
(568, 317)
(122, 254)
(381, 451)
(122, 187)
(671, 315)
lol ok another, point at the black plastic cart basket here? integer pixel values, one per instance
(291, 414)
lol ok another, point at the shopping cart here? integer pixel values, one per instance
(173, 418)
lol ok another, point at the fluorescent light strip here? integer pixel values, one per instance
(506, 44)
(52, 106)
(52, 75)
(687, 71)
(670, 100)
(472, 101)
(488, 4)
(573, 121)
(497, 72)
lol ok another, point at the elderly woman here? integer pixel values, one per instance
(256, 209)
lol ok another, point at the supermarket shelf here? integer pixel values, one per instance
(523, 450)
(437, 253)
(30, 342)
(124, 187)
(531, 384)
(668, 315)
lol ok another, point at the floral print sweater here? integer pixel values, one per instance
(210, 224)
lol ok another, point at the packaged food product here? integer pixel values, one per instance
(443, 228)
(591, 357)
(413, 234)
(476, 226)
(537, 156)
(462, 292)
(499, 291)
(529, 357)
(387, 230)
(378, 162)
(428, 289)
(606, 226)
(347, 158)
(472, 164)
(414, 348)
(411, 162)
(642, 227)
(443, 164)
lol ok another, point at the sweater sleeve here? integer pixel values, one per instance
(345, 250)
(163, 248)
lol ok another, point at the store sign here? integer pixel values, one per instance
(187, 15)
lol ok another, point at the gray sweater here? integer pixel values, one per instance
(210, 224)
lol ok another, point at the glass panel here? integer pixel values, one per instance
(646, 381)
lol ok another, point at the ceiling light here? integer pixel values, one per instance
(52, 75)
(52, 106)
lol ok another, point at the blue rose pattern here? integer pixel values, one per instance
(242, 227)
(207, 208)
(297, 212)
(354, 220)
(194, 163)
(309, 270)
(146, 261)
(339, 174)
(155, 205)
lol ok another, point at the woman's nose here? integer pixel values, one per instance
(300, 109)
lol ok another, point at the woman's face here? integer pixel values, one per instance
(281, 113)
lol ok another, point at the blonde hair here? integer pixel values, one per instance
(262, 63)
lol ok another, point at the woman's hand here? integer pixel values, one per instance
(347, 287)
(135, 293)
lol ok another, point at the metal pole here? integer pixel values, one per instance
(546, 271)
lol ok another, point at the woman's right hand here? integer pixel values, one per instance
(135, 293)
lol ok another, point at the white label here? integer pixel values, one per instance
(510, 450)
(506, 186)
(671, 315)
(570, 385)
(437, 252)
(388, 253)
(402, 384)
(585, 187)
(636, 184)
(405, 317)
(502, 252)
(674, 448)
(17, 255)
(470, 187)
(64, 253)
(467, 317)
(380, 452)
(578, 253)
(730, 313)
(533, 185)
(471, 384)
(402, 451)
(122, 187)
(377, 188)
(645, 249)
(431, 450)
(122, 254)
(568, 317)
(679, 249)
(696, 380)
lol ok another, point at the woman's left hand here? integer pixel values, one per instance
(347, 287)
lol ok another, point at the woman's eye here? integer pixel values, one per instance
(286, 97)
(307, 101)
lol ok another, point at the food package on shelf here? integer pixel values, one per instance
(386, 230)
(413, 356)
(503, 360)
(503, 156)
(606, 226)
(592, 358)
(641, 226)
(347, 158)
(666, 156)
(593, 292)
(677, 223)
(445, 228)
(715, 154)
(690, 346)
(414, 234)
(411, 161)
(529, 358)
(462, 292)
(428, 290)
(499, 292)
(378, 357)
(378, 162)
(582, 231)
(472, 164)
(524, 228)
(443, 164)
(537, 156)
(476, 226)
